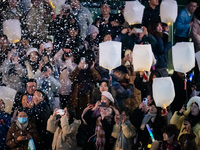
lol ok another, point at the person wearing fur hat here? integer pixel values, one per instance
(33, 65)
(188, 120)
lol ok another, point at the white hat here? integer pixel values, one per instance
(192, 100)
(108, 95)
(30, 50)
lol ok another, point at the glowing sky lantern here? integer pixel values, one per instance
(110, 54)
(163, 91)
(168, 11)
(197, 56)
(142, 57)
(183, 56)
(12, 29)
(133, 12)
(7, 95)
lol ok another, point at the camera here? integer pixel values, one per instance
(60, 112)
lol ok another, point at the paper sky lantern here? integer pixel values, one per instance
(110, 54)
(168, 11)
(183, 56)
(142, 57)
(133, 12)
(197, 56)
(7, 95)
(163, 91)
(12, 29)
(57, 3)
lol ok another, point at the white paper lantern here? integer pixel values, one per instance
(57, 3)
(7, 95)
(163, 91)
(142, 57)
(110, 54)
(197, 56)
(133, 12)
(12, 29)
(168, 11)
(183, 56)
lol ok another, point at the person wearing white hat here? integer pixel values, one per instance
(107, 98)
(188, 120)
(33, 65)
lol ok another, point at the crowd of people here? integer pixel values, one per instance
(65, 99)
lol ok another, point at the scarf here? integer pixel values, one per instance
(122, 141)
(22, 126)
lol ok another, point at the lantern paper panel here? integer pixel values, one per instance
(197, 56)
(168, 11)
(7, 95)
(110, 54)
(183, 56)
(142, 57)
(133, 12)
(163, 91)
(12, 29)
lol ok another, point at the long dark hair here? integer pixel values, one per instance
(193, 120)
(153, 29)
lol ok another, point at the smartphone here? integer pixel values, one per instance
(47, 45)
(82, 59)
(60, 111)
(102, 104)
(138, 28)
(127, 53)
(30, 98)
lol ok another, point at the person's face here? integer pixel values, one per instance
(31, 87)
(73, 33)
(24, 101)
(105, 9)
(22, 115)
(74, 4)
(192, 7)
(3, 42)
(25, 42)
(153, 109)
(49, 49)
(12, 3)
(47, 73)
(33, 56)
(2, 106)
(37, 97)
(107, 38)
(104, 99)
(124, 116)
(94, 35)
(159, 28)
(194, 109)
(167, 138)
(119, 75)
(153, 2)
(103, 87)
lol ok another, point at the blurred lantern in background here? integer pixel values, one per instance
(133, 12)
(110, 54)
(163, 91)
(183, 56)
(142, 57)
(12, 29)
(168, 11)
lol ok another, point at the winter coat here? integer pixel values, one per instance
(14, 132)
(30, 73)
(12, 75)
(5, 121)
(182, 24)
(83, 81)
(50, 87)
(65, 68)
(180, 92)
(124, 135)
(38, 20)
(150, 15)
(178, 120)
(84, 19)
(65, 138)
(196, 34)
(160, 51)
